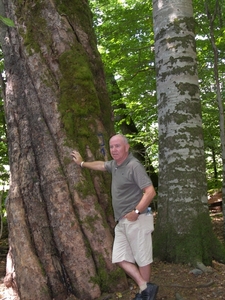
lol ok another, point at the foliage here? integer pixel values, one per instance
(210, 110)
(4, 159)
(126, 42)
(3, 148)
(125, 36)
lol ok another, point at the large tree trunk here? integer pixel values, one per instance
(60, 217)
(183, 231)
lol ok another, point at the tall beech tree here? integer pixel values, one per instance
(59, 216)
(183, 230)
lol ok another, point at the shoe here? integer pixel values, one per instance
(150, 292)
(138, 297)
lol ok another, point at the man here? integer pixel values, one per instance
(132, 192)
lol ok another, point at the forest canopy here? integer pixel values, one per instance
(126, 42)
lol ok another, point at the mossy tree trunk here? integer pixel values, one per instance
(60, 216)
(183, 231)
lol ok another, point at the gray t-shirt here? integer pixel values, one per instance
(128, 181)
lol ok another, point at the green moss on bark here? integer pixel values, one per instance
(36, 29)
(197, 244)
(78, 104)
(105, 279)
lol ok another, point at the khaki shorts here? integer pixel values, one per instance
(133, 241)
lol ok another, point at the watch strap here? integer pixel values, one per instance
(137, 211)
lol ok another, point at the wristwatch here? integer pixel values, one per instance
(137, 211)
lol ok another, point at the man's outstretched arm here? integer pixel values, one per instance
(93, 165)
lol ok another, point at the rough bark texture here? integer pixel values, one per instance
(183, 232)
(60, 217)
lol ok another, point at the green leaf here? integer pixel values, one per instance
(7, 21)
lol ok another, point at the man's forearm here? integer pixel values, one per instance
(147, 198)
(93, 165)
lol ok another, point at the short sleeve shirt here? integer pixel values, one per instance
(128, 181)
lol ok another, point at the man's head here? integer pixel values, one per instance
(119, 148)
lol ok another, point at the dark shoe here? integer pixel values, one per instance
(150, 292)
(138, 297)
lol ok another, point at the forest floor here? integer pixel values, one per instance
(176, 282)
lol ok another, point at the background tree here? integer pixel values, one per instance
(212, 15)
(59, 217)
(125, 38)
(208, 89)
(210, 49)
(183, 230)
(4, 162)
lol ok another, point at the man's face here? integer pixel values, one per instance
(119, 150)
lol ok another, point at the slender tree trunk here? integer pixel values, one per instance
(60, 216)
(183, 231)
(214, 166)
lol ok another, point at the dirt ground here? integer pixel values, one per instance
(176, 282)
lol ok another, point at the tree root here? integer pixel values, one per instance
(204, 269)
(203, 285)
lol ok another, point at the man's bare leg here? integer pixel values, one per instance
(134, 272)
(141, 276)
(145, 272)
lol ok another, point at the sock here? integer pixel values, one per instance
(143, 287)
